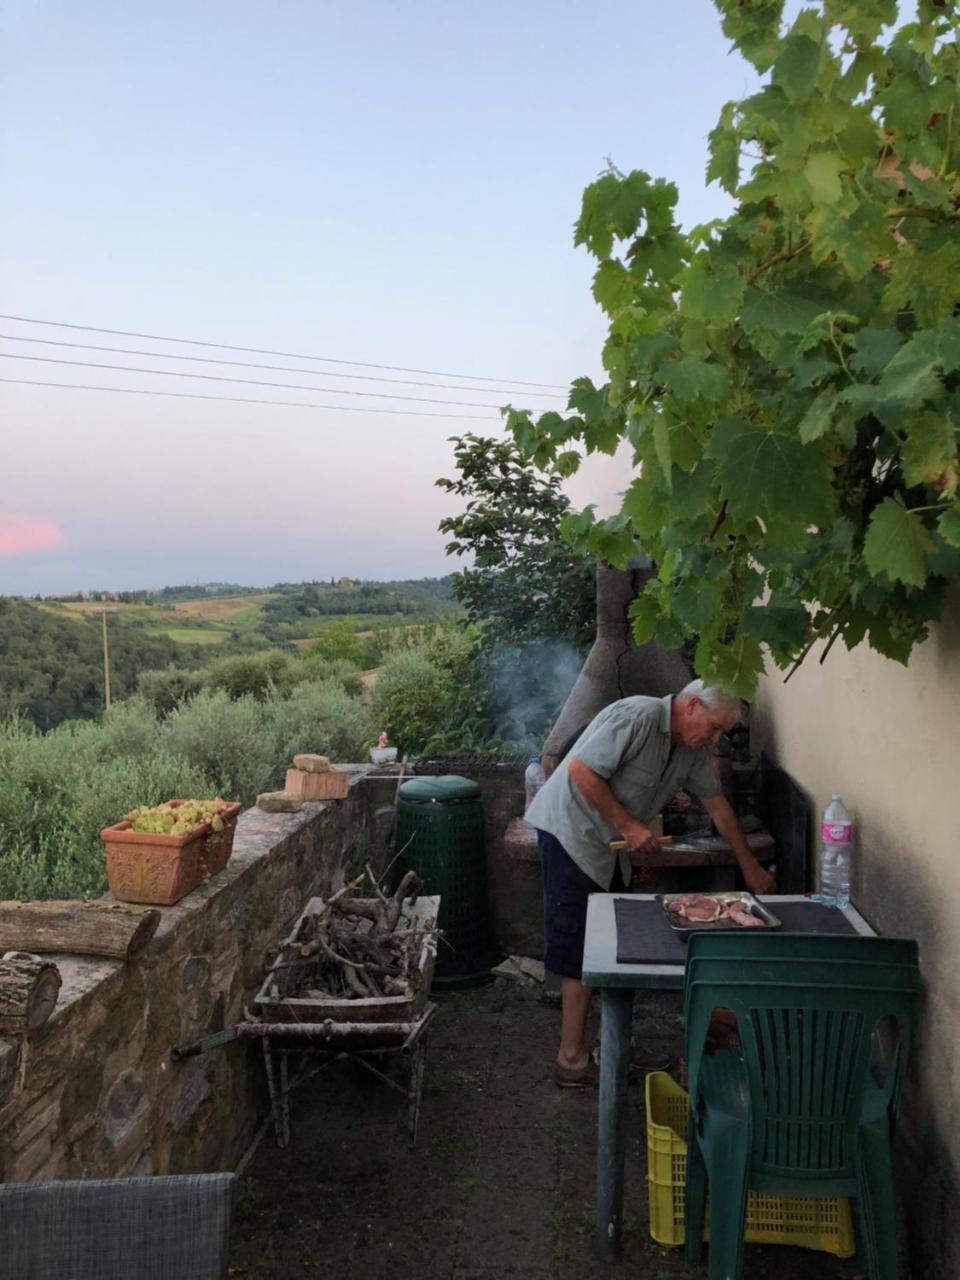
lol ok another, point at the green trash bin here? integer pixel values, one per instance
(440, 836)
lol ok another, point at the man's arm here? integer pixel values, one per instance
(596, 791)
(727, 823)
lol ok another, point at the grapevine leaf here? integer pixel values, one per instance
(613, 286)
(822, 172)
(771, 474)
(724, 166)
(696, 603)
(912, 373)
(736, 666)
(948, 344)
(568, 462)
(781, 624)
(645, 507)
(661, 442)
(710, 296)
(797, 67)
(612, 542)
(689, 379)
(875, 348)
(949, 525)
(644, 612)
(755, 28)
(924, 282)
(854, 233)
(783, 312)
(896, 544)
(930, 451)
(588, 400)
(686, 449)
(818, 417)
(691, 492)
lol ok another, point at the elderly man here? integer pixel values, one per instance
(617, 777)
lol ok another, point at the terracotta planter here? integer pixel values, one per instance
(146, 866)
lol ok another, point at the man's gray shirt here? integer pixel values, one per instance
(628, 744)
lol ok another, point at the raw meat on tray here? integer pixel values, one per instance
(698, 908)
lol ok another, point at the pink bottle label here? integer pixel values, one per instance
(837, 832)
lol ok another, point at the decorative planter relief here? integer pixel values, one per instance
(158, 867)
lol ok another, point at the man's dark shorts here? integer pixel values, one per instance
(565, 892)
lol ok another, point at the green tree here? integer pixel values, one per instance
(338, 639)
(787, 376)
(526, 583)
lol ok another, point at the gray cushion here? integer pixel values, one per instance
(164, 1228)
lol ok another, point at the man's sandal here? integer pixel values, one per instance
(642, 1059)
(585, 1077)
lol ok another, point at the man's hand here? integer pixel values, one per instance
(759, 880)
(727, 823)
(639, 837)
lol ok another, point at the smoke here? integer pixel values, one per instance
(528, 685)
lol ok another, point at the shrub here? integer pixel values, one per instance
(59, 789)
(322, 717)
(164, 689)
(312, 665)
(413, 698)
(254, 675)
(228, 740)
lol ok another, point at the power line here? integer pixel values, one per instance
(289, 404)
(288, 355)
(249, 364)
(250, 382)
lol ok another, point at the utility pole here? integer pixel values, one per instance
(106, 662)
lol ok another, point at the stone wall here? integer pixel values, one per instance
(94, 1093)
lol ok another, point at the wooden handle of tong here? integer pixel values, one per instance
(622, 844)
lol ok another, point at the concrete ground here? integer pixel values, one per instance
(500, 1184)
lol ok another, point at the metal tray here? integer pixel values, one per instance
(754, 906)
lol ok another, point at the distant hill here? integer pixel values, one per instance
(52, 662)
(51, 655)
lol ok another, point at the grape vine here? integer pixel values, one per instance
(787, 377)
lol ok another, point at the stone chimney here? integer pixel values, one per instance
(616, 666)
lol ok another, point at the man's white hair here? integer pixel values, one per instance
(713, 698)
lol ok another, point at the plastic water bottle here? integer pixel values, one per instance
(837, 833)
(533, 780)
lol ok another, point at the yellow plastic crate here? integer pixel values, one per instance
(812, 1224)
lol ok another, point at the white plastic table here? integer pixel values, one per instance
(617, 983)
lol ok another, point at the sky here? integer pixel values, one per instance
(391, 184)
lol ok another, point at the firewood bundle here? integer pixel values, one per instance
(361, 948)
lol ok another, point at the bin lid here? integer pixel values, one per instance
(446, 788)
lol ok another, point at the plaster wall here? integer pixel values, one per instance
(886, 738)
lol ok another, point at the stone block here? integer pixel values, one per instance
(40, 1116)
(332, 785)
(125, 1105)
(308, 763)
(279, 802)
(26, 1164)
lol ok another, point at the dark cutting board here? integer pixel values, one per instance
(644, 937)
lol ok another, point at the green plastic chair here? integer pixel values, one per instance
(799, 1108)
(860, 955)
(756, 943)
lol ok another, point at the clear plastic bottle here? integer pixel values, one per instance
(837, 838)
(533, 780)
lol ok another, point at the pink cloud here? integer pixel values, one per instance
(21, 535)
